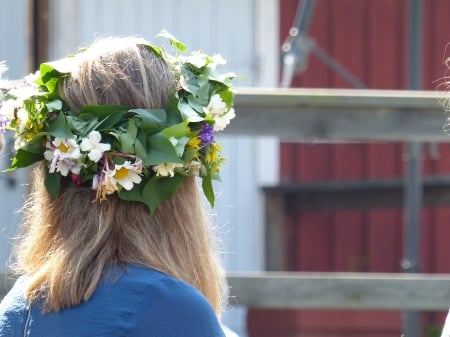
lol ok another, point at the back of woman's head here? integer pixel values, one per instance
(118, 71)
(68, 241)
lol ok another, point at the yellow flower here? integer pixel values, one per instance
(212, 154)
(194, 143)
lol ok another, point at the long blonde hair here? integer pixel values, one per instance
(67, 242)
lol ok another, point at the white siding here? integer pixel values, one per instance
(13, 50)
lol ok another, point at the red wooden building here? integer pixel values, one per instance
(369, 38)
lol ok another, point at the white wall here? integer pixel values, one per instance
(13, 50)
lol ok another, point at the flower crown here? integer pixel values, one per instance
(141, 154)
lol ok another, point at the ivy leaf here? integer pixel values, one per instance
(28, 154)
(103, 117)
(52, 183)
(152, 120)
(81, 127)
(227, 96)
(23, 158)
(173, 114)
(208, 190)
(59, 128)
(126, 143)
(157, 50)
(161, 150)
(189, 113)
(159, 189)
(49, 77)
(54, 105)
(177, 131)
(128, 139)
(174, 42)
(198, 103)
(140, 145)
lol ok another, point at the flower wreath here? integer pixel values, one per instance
(141, 154)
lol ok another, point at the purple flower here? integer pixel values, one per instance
(207, 133)
(4, 121)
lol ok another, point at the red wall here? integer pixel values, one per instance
(370, 39)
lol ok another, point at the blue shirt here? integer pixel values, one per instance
(142, 302)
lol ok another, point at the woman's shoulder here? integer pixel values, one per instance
(13, 308)
(171, 306)
(161, 290)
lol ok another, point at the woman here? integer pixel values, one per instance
(116, 241)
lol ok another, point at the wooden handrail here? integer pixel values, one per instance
(339, 114)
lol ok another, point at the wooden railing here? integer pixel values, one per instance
(298, 290)
(278, 290)
(339, 114)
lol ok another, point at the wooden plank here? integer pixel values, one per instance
(340, 291)
(339, 114)
(369, 194)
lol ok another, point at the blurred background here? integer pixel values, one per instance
(334, 44)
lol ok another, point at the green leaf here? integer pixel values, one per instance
(59, 128)
(188, 113)
(174, 42)
(126, 143)
(28, 154)
(81, 127)
(54, 105)
(161, 150)
(157, 50)
(198, 103)
(208, 190)
(22, 159)
(52, 183)
(227, 96)
(160, 189)
(49, 77)
(140, 144)
(35, 144)
(104, 117)
(177, 131)
(127, 140)
(180, 145)
(152, 120)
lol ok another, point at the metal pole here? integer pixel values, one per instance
(413, 178)
(296, 48)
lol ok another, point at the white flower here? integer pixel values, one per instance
(93, 146)
(166, 169)
(197, 59)
(66, 148)
(22, 116)
(127, 174)
(8, 108)
(222, 121)
(64, 166)
(219, 111)
(25, 91)
(216, 60)
(64, 156)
